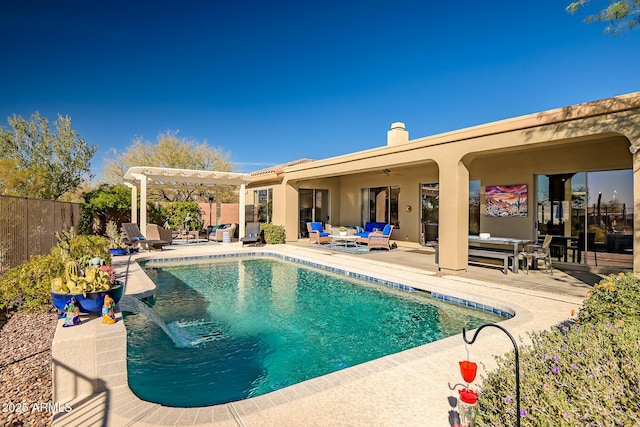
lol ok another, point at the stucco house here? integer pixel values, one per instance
(569, 172)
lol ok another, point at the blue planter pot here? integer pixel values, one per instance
(118, 251)
(92, 303)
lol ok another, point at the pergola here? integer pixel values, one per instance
(144, 177)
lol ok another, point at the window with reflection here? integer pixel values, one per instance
(380, 204)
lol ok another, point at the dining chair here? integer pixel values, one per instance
(533, 253)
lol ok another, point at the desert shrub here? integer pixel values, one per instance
(27, 285)
(582, 373)
(572, 376)
(273, 234)
(614, 298)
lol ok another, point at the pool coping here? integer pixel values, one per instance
(396, 387)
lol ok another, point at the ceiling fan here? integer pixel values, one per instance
(390, 172)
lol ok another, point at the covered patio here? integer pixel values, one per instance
(143, 178)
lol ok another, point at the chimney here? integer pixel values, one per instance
(397, 135)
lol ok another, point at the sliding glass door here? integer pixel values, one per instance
(590, 215)
(313, 206)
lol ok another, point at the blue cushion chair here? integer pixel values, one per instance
(317, 234)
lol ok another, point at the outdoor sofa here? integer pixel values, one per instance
(369, 227)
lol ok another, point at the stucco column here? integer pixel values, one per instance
(292, 213)
(242, 210)
(453, 223)
(143, 202)
(636, 207)
(134, 202)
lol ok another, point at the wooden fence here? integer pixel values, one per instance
(28, 227)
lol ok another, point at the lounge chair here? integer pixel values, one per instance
(134, 235)
(317, 234)
(377, 239)
(253, 234)
(155, 232)
(218, 235)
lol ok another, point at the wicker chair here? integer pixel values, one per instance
(317, 234)
(219, 233)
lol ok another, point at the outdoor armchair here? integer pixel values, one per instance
(218, 235)
(317, 234)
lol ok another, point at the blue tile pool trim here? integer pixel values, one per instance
(340, 271)
(472, 304)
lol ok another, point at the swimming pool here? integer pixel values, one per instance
(229, 329)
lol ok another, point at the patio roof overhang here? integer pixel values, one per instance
(145, 177)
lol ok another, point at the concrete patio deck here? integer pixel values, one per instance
(410, 388)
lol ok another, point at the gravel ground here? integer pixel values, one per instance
(25, 369)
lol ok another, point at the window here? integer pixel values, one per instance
(380, 204)
(262, 209)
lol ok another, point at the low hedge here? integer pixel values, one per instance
(273, 234)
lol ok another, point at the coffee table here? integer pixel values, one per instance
(348, 240)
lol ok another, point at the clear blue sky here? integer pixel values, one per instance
(271, 81)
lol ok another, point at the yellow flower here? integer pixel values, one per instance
(611, 289)
(573, 312)
(589, 292)
(620, 322)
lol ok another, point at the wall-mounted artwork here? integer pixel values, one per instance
(506, 200)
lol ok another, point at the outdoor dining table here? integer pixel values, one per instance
(501, 242)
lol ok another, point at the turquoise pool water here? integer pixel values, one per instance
(228, 329)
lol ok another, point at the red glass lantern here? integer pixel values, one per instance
(468, 370)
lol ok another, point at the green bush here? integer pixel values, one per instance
(273, 234)
(614, 298)
(27, 285)
(583, 373)
(572, 376)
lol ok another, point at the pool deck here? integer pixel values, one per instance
(410, 388)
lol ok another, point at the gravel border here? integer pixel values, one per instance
(25, 369)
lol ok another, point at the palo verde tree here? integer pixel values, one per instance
(621, 16)
(170, 151)
(37, 161)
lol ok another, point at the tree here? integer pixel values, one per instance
(622, 16)
(36, 161)
(170, 151)
(103, 204)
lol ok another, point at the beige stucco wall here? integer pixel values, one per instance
(587, 137)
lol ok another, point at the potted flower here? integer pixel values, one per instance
(117, 245)
(88, 286)
(343, 231)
